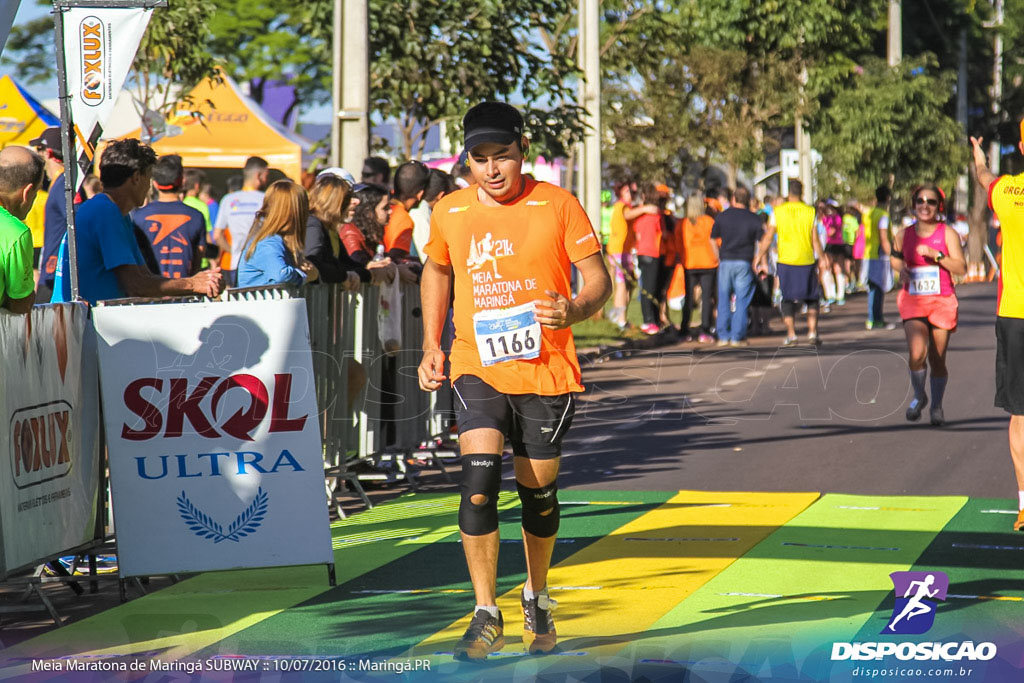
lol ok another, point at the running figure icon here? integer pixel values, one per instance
(916, 605)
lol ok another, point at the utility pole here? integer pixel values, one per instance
(589, 98)
(895, 42)
(350, 126)
(803, 146)
(997, 86)
(962, 182)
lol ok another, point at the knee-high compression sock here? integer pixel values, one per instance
(841, 287)
(828, 283)
(917, 378)
(938, 385)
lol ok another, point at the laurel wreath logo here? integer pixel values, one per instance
(204, 526)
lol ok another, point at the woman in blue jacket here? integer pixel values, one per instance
(273, 254)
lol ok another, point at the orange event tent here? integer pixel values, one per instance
(230, 132)
(22, 118)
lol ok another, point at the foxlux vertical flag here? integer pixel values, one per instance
(216, 458)
(99, 47)
(8, 10)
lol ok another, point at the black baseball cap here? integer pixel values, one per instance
(50, 139)
(492, 122)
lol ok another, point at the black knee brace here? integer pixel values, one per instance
(481, 476)
(540, 509)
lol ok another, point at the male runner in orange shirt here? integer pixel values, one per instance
(509, 242)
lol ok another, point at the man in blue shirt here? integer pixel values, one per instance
(110, 265)
(55, 222)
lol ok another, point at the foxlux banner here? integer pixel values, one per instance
(49, 433)
(214, 445)
(99, 47)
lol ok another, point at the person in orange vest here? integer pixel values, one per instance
(700, 261)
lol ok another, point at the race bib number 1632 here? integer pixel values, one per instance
(507, 334)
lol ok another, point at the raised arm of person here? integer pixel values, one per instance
(559, 312)
(136, 280)
(435, 288)
(634, 211)
(985, 177)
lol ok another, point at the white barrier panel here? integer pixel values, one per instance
(214, 446)
(49, 429)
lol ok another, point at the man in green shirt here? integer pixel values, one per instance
(21, 174)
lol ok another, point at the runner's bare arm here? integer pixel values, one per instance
(896, 256)
(558, 312)
(635, 211)
(954, 260)
(137, 281)
(766, 243)
(883, 237)
(221, 241)
(435, 286)
(985, 177)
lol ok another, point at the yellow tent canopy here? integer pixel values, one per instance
(230, 132)
(22, 118)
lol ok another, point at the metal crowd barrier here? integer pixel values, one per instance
(391, 417)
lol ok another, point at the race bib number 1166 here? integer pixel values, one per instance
(507, 334)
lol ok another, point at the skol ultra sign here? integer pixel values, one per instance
(95, 61)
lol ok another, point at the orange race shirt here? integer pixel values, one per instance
(697, 250)
(398, 231)
(1006, 198)
(505, 257)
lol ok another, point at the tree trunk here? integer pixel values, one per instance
(977, 238)
(570, 172)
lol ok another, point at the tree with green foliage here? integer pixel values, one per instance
(433, 59)
(890, 124)
(262, 42)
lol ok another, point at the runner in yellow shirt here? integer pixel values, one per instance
(1006, 199)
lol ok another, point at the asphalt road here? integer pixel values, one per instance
(765, 418)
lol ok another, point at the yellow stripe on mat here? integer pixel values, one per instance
(623, 583)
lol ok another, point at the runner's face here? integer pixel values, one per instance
(926, 205)
(497, 168)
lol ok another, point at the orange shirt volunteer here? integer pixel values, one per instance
(697, 251)
(507, 256)
(398, 232)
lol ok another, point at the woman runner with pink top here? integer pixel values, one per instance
(928, 254)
